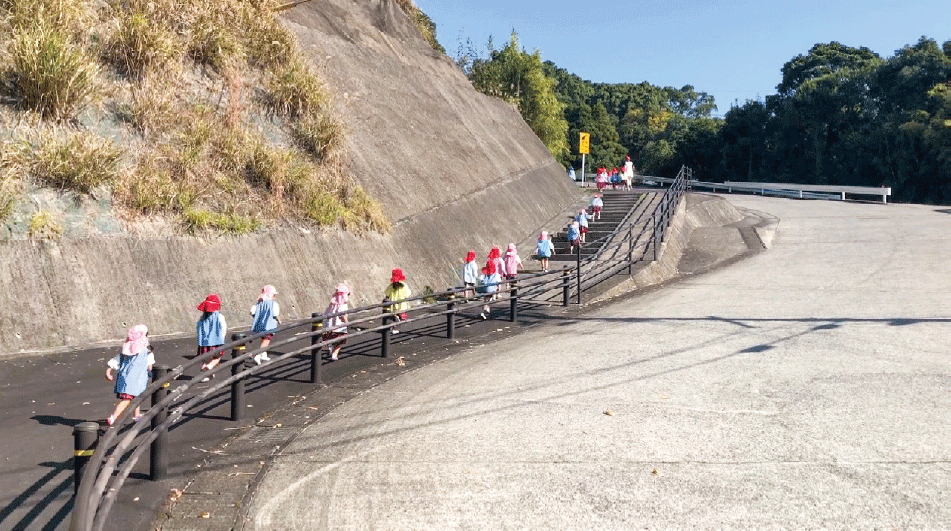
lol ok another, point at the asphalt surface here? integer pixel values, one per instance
(806, 387)
(42, 397)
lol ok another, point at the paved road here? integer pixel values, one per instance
(806, 387)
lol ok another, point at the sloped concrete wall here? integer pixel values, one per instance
(454, 170)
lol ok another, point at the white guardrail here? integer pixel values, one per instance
(802, 191)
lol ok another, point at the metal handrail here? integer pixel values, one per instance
(109, 466)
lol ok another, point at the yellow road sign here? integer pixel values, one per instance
(585, 144)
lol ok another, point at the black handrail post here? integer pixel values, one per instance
(158, 453)
(237, 386)
(513, 301)
(654, 220)
(565, 286)
(315, 361)
(451, 317)
(578, 264)
(386, 333)
(85, 440)
(630, 250)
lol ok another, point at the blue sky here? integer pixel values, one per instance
(733, 50)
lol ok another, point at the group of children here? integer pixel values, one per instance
(498, 268)
(615, 177)
(131, 369)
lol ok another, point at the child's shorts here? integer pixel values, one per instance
(334, 335)
(509, 277)
(596, 209)
(584, 230)
(205, 350)
(575, 241)
(125, 396)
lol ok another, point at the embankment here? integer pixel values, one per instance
(453, 168)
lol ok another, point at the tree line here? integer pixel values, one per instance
(841, 116)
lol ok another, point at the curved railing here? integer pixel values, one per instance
(121, 447)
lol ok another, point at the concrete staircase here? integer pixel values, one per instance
(617, 205)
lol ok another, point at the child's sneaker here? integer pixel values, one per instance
(111, 420)
(258, 359)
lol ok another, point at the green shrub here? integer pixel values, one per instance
(47, 74)
(199, 220)
(266, 43)
(44, 225)
(68, 15)
(70, 161)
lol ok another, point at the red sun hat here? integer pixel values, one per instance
(397, 276)
(211, 304)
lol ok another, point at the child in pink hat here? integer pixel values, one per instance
(512, 262)
(265, 318)
(133, 367)
(335, 326)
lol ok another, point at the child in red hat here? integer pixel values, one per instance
(211, 330)
(470, 274)
(397, 292)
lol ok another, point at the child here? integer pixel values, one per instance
(265, 318)
(583, 223)
(596, 205)
(512, 262)
(574, 236)
(490, 284)
(133, 368)
(470, 274)
(336, 326)
(615, 179)
(544, 249)
(396, 292)
(211, 330)
(628, 173)
(495, 257)
(602, 178)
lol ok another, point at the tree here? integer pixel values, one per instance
(518, 77)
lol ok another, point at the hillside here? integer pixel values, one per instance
(450, 168)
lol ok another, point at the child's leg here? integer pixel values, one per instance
(121, 406)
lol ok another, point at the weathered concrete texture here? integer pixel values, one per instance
(803, 388)
(705, 233)
(424, 137)
(454, 170)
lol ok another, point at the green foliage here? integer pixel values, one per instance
(200, 220)
(519, 78)
(425, 25)
(69, 161)
(44, 72)
(44, 225)
(845, 116)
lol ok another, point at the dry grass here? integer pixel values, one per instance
(189, 75)
(68, 160)
(46, 73)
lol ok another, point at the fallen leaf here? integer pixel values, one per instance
(609, 413)
(655, 472)
(401, 361)
(204, 514)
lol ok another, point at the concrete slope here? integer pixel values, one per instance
(805, 387)
(454, 170)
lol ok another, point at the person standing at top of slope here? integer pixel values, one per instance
(265, 318)
(628, 173)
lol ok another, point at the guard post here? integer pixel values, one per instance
(578, 265)
(85, 440)
(451, 317)
(315, 362)
(237, 386)
(513, 301)
(158, 452)
(565, 287)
